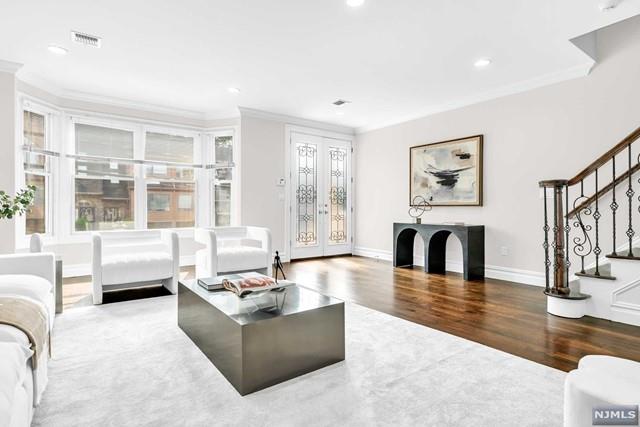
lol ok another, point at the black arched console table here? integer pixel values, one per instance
(435, 237)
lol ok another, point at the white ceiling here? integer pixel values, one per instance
(395, 59)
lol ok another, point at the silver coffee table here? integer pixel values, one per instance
(262, 340)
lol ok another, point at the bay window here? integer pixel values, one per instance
(115, 174)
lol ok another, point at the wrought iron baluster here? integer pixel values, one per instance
(545, 245)
(582, 244)
(596, 216)
(630, 233)
(614, 205)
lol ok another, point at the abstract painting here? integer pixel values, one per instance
(447, 173)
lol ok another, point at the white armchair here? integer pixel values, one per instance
(125, 259)
(233, 250)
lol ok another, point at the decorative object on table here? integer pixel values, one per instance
(18, 205)
(419, 206)
(249, 283)
(216, 283)
(277, 265)
(447, 173)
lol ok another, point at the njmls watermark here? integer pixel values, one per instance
(615, 415)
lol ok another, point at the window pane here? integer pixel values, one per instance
(223, 204)
(34, 136)
(170, 205)
(104, 204)
(224, 149)
(35, 216)
(104, 142)
(168, 148)
(34, 130)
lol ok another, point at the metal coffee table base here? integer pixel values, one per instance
(258, 355)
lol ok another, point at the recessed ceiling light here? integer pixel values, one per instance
(355, 3)
(234, 90)
(58, 50)
(481, 63)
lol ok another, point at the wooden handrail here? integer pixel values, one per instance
(605, 157)
(603, 191)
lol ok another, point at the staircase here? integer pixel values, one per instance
(592, 256)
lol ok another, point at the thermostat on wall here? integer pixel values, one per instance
(281, 182)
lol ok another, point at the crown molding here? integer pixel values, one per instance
(9, 67)
(135, 105)
(578, 71)
(291, 120)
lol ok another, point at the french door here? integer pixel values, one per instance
(320, 196)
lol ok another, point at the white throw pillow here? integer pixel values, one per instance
(13, 362)
(27, 285)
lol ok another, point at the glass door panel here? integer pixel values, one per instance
(321, 199)
(307, 210)
(338, 197)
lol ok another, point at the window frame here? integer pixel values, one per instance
(71, 174)
(51, 116)
(197, 159)
(211, 175)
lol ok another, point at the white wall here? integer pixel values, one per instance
(8, 150)
(262, 164)
(552, 132)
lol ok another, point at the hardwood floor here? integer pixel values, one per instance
(503, 315)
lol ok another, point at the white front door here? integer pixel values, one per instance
(320, 196)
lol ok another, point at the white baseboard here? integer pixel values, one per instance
(78, 270)
(526, 277)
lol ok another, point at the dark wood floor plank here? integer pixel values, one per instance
(507, 316)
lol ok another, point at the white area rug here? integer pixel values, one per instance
(128, 364)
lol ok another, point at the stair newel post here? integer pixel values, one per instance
(545, 245)
(560, 233)
(558, 239)
(567, 263)
(630, 193)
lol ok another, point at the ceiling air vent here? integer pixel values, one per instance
(341, 102)
(86, 39)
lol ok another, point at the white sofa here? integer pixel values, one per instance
(599, 381)
(124, 259)
(29, 276)
(232, 250)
